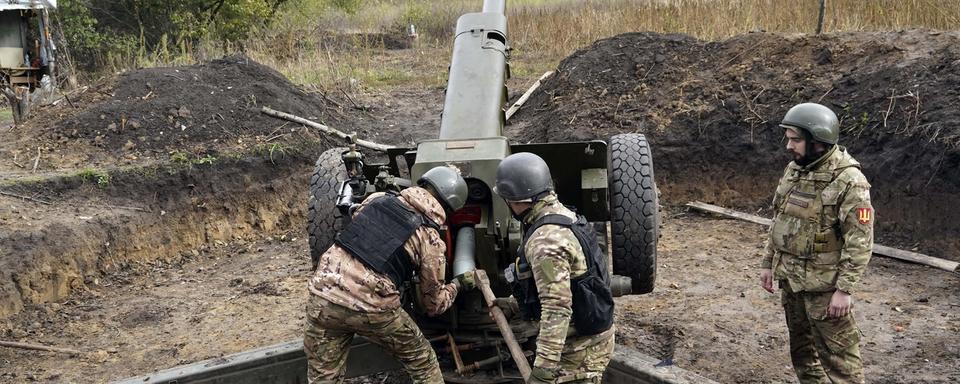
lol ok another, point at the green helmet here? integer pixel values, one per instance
(448, 187)
(817, 120)
(522, 177)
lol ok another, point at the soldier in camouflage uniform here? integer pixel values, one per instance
(820, 242)
(556, 257)
(349, 296)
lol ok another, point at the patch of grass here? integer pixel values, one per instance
(182, 158)
(102, 178)
(179, 157)
(271, 151)
(206, 159)
(6, 114)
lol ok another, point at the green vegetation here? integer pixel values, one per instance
(179, 157)
(272, 151)
(187, 160)
(206, 159)
(310, 40)
(102, 178)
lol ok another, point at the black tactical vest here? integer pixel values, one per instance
(376, 235)
(592, 299)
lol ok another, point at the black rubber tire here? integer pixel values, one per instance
(634, 210)
(323, 218)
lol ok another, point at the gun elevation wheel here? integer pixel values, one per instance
(634, 210)
(323, 218)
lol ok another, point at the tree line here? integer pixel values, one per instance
(100, 33)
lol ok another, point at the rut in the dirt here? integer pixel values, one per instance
(711, 110)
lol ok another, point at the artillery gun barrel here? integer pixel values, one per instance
(494, 6)
(473, 107)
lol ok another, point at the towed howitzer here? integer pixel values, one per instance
(610, 183)
(607, 182)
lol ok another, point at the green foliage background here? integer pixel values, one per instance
(125, 33)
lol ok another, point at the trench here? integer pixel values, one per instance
(179, 210)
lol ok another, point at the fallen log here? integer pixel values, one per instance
(325, 129)
(38, 347)
(526, 95)
(878, 249)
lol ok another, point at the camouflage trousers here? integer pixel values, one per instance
(823, 350)
(585, 359)
(331, 329)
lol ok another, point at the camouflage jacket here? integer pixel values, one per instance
(555, 255)
(822, 235)
(341, 279)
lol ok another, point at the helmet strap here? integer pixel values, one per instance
(521, 215)
(813, 155)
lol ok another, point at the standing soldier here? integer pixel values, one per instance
(560, 277)
(819, 245)
(356, 286)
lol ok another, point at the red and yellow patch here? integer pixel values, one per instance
(864, 215)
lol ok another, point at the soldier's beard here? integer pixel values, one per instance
(809, 157)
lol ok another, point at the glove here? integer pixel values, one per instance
(541, 376)
(467, 280)
(508, 305)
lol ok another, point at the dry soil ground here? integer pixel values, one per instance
(708, 314)
(165, 224)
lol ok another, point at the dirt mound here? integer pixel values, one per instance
(711, 111)
(200, 109)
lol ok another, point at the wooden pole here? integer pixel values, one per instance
(38, 347)
(326, 129)
(526, 95)
(823, 7)
(881, 250)
(483, 282)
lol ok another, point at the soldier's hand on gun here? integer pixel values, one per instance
(840, 304)
(508, 305)
(466, 280)
(766, 279)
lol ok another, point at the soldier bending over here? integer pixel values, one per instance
(356, 287)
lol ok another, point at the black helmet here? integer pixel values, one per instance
(817, 120)
(522, 177)
(448, 187)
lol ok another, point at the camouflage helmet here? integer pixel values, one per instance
(448, 187)
(817, 120)
(522, 177)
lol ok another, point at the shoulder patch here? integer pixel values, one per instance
(864, 215)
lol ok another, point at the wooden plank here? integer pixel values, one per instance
(878, 249)
(526, 95)
(730, 213)
(483, 283)
(915, 257)
(326, 129)
(38, 347)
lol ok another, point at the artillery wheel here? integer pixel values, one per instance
(323, 218)
(634, 210)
